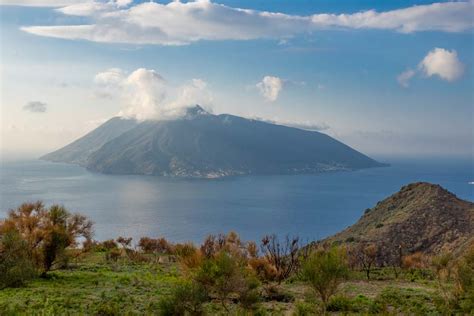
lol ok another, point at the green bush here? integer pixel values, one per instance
(358, 304)
(224, 275)
(186, 298)
(465, 281)
(248, 293)
(305, 309)
(339, 304)
(16, 264)
(324, 270)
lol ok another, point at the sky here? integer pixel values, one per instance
(388, 78)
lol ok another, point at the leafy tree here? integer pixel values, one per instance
(324, 270)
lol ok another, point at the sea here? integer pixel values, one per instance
(309, 206)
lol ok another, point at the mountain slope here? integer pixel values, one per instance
(79, 151)
(420, 217)
(205, 145)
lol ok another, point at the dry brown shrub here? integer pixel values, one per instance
(263, 269)
(416, 260)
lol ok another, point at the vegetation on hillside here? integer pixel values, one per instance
(421, 217)
(42, 270)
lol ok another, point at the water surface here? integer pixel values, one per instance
(312, 206)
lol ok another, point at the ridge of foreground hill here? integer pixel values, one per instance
(420, 217)
(203, 145)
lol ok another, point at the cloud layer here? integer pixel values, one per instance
(35, 107)
(145, 94)
(178, 23)
(270, 87)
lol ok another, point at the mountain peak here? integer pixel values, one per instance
(194, 111)
(420, 217)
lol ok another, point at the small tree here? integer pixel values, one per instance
(283, 256)
(365, 256)
(226, 274)
(324, 270)
(47, 232)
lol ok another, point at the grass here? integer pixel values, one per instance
(91, 286)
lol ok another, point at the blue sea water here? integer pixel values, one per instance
(311, 206)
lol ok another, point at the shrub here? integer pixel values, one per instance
(465, 280)
(224, 275)
(324, 270)
(150, 245)
(283, 256)
(47, 232)
(248, 294)
(16, 264)
(109, 244)
(113, 255)
(263, 269)
(187, 297)
(305, 309)
(229, 243)
(125, 243)
(340, 304)
(275, 293)
(415, 261)
(190, 257)
(442, 265)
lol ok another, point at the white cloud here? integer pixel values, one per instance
(405, 77)
(443, 16)
(306, 125)
(180, 23)
(62, 3)
(40, 3)
(194, 92)
(35, 107)
(145, 94)
(442, 63)
(270, 87)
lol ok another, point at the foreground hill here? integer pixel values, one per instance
(420, 217)
(200, 144)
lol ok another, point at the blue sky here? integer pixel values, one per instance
(339, 78)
